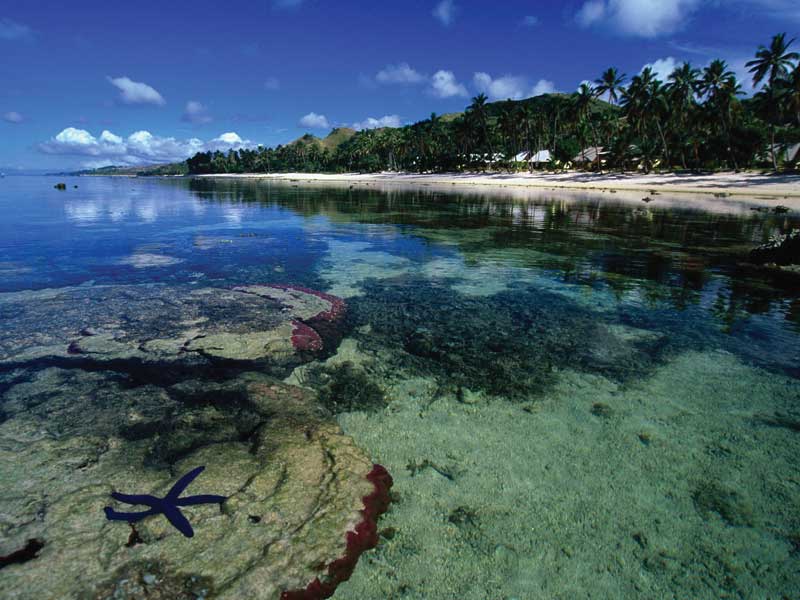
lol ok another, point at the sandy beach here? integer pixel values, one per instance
(748, 186)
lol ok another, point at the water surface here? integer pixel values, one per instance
(577, 396)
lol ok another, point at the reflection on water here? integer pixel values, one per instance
(562, 384)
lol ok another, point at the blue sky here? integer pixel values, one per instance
(89, 83)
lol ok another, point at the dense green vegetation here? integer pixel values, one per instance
(697, 119)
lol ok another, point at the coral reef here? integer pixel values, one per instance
(302, 499)
(155, 324)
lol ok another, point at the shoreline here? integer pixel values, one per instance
(731, 186)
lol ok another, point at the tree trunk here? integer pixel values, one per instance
(772, 146)
(663, 143)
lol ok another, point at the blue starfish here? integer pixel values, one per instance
(168, 505)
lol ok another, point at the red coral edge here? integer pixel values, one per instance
(305, 338)
(336, 311)
(365, 537)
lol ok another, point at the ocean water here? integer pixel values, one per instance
(577, 396)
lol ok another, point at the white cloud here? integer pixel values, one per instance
(501, 88)
(12, 31)
(399, 74)
(139, 148)
(445, 12)
(663, 67)
(134, 92)
(372, 123)
(13, 117)
(230, 138)
(591, 12)
(530, 21)
(510, 86)
(107, 137)
(445, 85)
(196, 113)
(643, 18)
(543, 86)
(272, 84)
(315, 121)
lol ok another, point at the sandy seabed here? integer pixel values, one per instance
(682, 485)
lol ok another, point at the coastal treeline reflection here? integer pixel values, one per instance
(677, 255)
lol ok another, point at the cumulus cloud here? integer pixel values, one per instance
(139, 148)
(401, 74)
(501, 88)
(530, 21)
(445, 85)
(445, 12)
(13, 31)
(196, 113)
(591, 12)
(543, 86)
(13, 117)
(663, 67)
(315, 121)
(510, 87)
(372, 123)
(644, 18)
(272, 84)
(135, 92)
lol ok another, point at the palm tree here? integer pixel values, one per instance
(790, 93)
(582, 105)
(509, 126)
(681, 89)
(720, 87)
(773, 64)
(610, 83)
(645, 105)
(478, 110)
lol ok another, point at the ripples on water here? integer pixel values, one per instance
(577, 396)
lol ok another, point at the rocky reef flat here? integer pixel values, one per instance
(84, 415)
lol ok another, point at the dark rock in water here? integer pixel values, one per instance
(421, 343)
(781, 210)
(60, 186)
(647, 199)
(347, 388)
(781, 250)
(509, 344)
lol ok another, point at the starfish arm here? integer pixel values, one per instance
(177, 519)
(131, 517)
(145, 499)
(183, 483)
(201, 499)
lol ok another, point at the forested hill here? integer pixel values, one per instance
(444, 142)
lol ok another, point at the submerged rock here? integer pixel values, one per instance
(160, 324)
(781, 250)
(302, 503)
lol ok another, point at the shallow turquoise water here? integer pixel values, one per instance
(572, 319)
